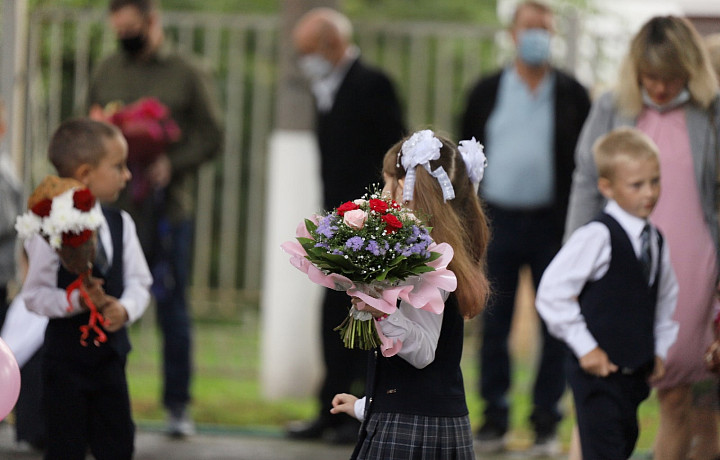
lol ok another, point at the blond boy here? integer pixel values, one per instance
(610, 293)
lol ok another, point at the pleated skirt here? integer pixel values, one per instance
(390, 436)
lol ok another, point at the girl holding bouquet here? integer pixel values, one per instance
(415, 402)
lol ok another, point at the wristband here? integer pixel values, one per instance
(382, 318)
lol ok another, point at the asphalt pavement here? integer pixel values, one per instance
(216, 443)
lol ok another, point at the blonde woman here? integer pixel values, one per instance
(667, 89)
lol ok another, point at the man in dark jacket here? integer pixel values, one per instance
(161, 195)
(528, 116)
(358, 118)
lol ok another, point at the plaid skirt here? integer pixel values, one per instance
(399, 436)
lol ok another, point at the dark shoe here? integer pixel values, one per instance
(345, 433)
(309, 429)
(490, 439)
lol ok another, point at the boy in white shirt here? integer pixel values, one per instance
(85, 394)
(610, 294)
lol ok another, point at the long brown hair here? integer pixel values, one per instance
(459, 222)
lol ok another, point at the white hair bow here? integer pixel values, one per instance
(475, 160)
(419, 149)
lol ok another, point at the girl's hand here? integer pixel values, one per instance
(344, 403)
(362, 306)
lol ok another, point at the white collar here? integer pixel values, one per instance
(632, 225)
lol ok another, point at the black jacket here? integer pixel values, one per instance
(364, 122)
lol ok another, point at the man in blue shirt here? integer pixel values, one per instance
(529, 116)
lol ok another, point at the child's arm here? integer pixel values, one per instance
(42, 296)
(417, 329)
(136, 274)
(344, 403)
(585, 257)
(666, 329)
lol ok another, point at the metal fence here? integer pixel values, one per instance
(432, 65)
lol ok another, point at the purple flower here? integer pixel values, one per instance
(374, 248)
(326, 228)
(355, 243)
(419, 248)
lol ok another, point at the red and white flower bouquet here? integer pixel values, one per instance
(63, 212)
(378, 251)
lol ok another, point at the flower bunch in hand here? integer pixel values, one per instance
(372, 239)
(146, 125)
(372, 248)
(63, 212)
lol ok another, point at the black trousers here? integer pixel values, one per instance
(519, 238)
(29, 421)
(606, 409)
(87, 406)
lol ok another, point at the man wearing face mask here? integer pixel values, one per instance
(528, 116)
(161, 195)
(358, 118)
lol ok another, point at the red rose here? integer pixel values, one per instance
(42, 208)
(345, 207)
(83, 200)
(378, 206)
(152, 108)
(74, 239)
(395, 204)
(392, 223)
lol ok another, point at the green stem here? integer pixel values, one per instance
(358, 334)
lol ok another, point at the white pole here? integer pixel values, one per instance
(290, 355)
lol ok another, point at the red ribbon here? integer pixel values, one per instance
(96, 318)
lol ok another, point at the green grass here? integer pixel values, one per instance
(227, 392)
(226, 387)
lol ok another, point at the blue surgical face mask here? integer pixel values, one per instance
(682, 97)
(534, 46)
(314, 66)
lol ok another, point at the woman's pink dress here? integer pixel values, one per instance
(679, 216)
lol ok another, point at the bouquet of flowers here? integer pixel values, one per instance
(378, 251)
(63, 211)
(146, 125)
(149, 130)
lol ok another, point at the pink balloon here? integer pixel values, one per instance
(9, 380)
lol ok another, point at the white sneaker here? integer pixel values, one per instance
(545, 446)
(180, 426)
(489, 440)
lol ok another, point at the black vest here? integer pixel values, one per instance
(619, 308)
(62, 336)
(436, 390)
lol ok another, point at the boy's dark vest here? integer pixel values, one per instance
(62, 336)
(619, 308)
(436, 390)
